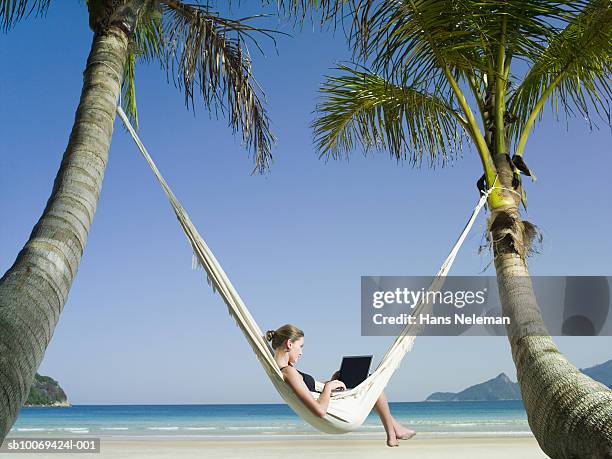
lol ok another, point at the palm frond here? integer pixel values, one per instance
(326, 10)
(529, 23)
(210, 53)
(128, 90)
(363, 108)
(417, 39)
(12, 11)
(572, 72)
(147, 45)
(148, 40)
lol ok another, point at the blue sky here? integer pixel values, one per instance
(141, 327)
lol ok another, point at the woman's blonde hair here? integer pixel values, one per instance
(280, 335)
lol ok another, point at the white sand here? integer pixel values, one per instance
(424, 448)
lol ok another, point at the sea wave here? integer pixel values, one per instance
(499, 433)
(256, 427)
(477, 422)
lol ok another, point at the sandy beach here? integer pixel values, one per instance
(423, 448)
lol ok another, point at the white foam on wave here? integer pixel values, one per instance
(255, 427)
(480, 424)
(28, 429)
(201, 428)
(163, 428)
(477, 422)
(114, 428)
(366, 427)
(500, 433)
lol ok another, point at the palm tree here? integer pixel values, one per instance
(202, 52)
(432, 73)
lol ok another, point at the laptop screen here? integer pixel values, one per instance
(354, 370)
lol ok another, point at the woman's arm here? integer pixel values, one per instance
(296, 382)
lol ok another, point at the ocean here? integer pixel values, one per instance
(496, 418)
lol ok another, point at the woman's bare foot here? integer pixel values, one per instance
(392, 440)
(404, 434)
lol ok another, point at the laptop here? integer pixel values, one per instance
(354, 370)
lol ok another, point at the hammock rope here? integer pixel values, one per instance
(347, 409)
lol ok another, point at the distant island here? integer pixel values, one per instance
(502, 388)
(46, 391)
(601, 373)
(498, 388)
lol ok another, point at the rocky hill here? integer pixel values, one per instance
(499, 388)
(601, 373)
(502, 388)
(46, 391)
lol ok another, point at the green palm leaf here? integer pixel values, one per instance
(12, 11)
(146, 45)
(363, 108)
(418, 37)
(573, 71)
(128, 91)
(415, 39)
(148, 40)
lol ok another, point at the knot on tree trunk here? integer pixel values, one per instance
(509, 234)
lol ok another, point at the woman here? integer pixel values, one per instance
(288, 342)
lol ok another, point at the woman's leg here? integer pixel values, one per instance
(382, 408)
(401, 432)
(393, 428)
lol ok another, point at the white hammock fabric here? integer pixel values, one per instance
(347, 410)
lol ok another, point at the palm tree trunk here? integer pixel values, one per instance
(34, 290)
(569, 413)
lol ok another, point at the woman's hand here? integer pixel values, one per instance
(317, 406)
(335, 384)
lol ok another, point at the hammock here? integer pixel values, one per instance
(348, 409)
